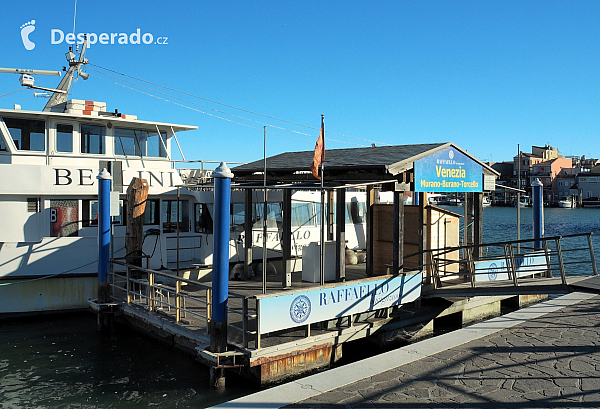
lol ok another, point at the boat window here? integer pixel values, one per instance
(348, 217)
(64, 138)
(203, 218)
(169, 216)
(127, 142)
(90, 213)
(3, 145)
(136, 142)
(358, 212)
(63, 218)
(92, 139)
(154, 146)
(273, 215)
(151, 212)
(28, 135)
(318, 213)
(303, 214)
(238, 213)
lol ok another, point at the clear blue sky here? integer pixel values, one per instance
(485, 75)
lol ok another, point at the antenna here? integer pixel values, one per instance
(75, 19)
(61, 93)
(28, 71)
(27, 79)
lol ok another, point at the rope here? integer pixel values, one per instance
(49, 276)
(14, 92)
(239, 109)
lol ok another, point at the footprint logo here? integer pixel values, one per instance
(27, 29)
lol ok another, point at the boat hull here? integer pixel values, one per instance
(23, 296)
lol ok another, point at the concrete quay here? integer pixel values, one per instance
(545, 355)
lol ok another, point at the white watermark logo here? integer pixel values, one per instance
(57, 36)
(27, 29)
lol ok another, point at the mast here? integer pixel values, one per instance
(61, 94)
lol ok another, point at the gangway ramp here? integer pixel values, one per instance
(526, 286)
(587, 284)
(558, 265)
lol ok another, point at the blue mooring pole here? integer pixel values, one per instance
(104, 180)
(538, 213)
(220, 278)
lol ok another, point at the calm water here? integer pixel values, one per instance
(62, 362)
(500, 224)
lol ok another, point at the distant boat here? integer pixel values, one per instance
(455, 201)
(566, 202)
(591, 202)
(524, 202)
(436, 199)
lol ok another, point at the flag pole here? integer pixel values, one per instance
(265, 214)
(323, 206)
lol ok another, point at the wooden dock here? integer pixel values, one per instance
(271, 357)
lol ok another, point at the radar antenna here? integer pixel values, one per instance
(59, 94)
(27, 79)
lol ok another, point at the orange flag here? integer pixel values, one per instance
(319, 156)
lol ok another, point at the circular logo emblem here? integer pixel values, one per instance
(300, 309)
(451, 154)
(493, 272)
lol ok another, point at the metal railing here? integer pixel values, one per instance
(186, 302)
(161, 291)
(189, 302)
(556, 256)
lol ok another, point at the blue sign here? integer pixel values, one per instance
(526, 266)
(448, 170)
(335, 301)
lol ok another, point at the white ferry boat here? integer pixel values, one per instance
(49, 161)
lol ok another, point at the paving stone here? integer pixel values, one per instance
(592, 398)
(551, 361)
(564, 382)
(552, 393)
(581, 366)
(534, 396)
(590, 384)
(571, 393)
(532, 384)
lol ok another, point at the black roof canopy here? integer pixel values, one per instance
(342, 166)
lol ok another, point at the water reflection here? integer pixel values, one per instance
(61, 361)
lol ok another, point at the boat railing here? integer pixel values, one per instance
(204, 167)
(183, 301)
(557, 256)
